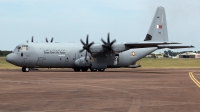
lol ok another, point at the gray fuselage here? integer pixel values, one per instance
(64, 55)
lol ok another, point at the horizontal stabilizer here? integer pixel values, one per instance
(173, 46)
(148, 44)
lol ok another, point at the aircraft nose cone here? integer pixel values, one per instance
(10, 58)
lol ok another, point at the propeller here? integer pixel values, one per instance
(31, 39)
(50, 41)
(86, 46)
(108, 44)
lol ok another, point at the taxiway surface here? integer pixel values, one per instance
(115, 90)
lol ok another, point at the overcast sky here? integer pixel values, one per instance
(70, 20)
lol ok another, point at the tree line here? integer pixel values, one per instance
(4, 53)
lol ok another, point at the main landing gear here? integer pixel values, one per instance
(25, 69)
(86, 69)
(80, 69)
(101, 70)
(93, 70)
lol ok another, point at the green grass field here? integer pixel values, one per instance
(145, 62)
(5, 65)
(169, 63)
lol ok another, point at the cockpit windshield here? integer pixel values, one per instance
(24, 47)
(21, 48)
(18, 47)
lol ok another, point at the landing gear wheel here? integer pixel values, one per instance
(93, 70)
(25, 69)
(84, 69)
(77, 69)
(101, 70)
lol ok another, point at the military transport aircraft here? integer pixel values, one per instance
(82, 57)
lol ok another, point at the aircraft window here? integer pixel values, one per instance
(21, 54)
(24, 47)
(18, 48)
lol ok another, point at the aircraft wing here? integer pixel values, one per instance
(174, 47)
(148, 44)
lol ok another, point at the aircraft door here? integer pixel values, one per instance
(39, 61)
(116, 59)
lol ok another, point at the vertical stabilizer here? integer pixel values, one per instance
(158, 29)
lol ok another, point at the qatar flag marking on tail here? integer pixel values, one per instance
(159, 26)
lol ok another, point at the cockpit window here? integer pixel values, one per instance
(24, 47)
(21, 48)
(18, 47)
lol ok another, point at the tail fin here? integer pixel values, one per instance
(158, 29)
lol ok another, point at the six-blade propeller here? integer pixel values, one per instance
(108, 44)
(86, 46)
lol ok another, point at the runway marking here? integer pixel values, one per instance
(194, 79)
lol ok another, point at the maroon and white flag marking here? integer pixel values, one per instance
(159, 26)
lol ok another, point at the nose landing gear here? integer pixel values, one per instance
(25, 69)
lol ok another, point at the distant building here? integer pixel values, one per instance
(188, 55)
(155, 55)
(149, 56)
(159, 55)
